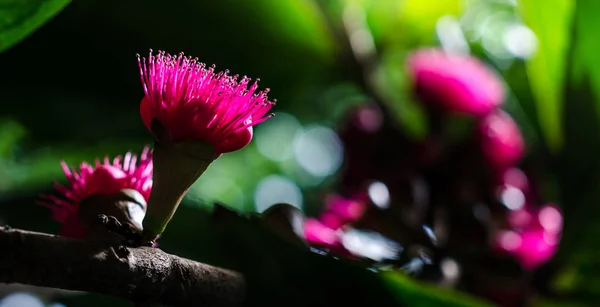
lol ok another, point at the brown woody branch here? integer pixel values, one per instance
(142, 275)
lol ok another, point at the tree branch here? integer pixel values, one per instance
(141, 274)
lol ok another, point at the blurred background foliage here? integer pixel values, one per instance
(70, 91)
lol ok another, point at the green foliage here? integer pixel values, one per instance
(551, 21)
(585, 60)
(419, 18)
(20, 18)
(578, 278)
(422, 295)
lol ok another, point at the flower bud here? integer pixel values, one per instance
(460, 84)
(500, 139)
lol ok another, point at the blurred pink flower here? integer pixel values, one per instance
(332, 220)
(500, 140)
(194, 103)
(537, 247)
(459, 84)
(317, 233)
(516, 178)
(326, 231)
(536, 236)
(104, 178)
(346, 208)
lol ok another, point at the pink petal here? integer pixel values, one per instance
(317, 233)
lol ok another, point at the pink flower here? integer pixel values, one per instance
(316, 233)
(105, 178)
(500, 140)
(537, 247)
(536, 236)
(332, 220)
(348, 209)
(194, 103)
(327, 230)
(531, 248)
(459, 84)
(516, 178)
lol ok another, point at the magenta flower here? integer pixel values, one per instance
(516, 178)
(332, 220)
(105, 178)
(319, 234)
(535, 237)
(501, 141)
(195, 115)
(347, 209)
(459, 84)
(326, 231)
(195, 103)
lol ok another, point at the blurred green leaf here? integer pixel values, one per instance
(579, 189)
(19, 18)
(11, 133)
(407, 290)
(420, 18)
(551, 21)
(382, 17)
(395, 86)
(298, 22)
(585, 56)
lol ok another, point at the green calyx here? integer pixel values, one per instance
(177, 165)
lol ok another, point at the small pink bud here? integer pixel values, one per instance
(460, 84)
(501, 140)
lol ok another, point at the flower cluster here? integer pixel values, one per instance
(437, 197)
(195, 114)
(464, 85)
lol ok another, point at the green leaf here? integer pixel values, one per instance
(392, 83)
(551, 21)
(585, 57)
(419, 18)
(19, 18)
(578, 252)
(416, 295)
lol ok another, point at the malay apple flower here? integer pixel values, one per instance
(195, 114)
(126, 178)
(454, 83)
(534, 237)
(501, 140)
